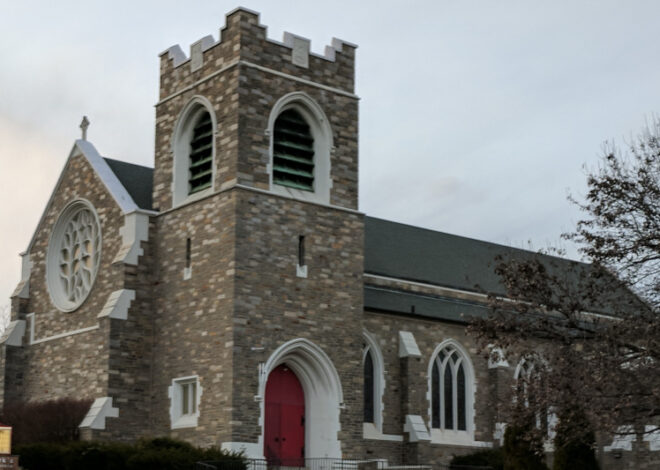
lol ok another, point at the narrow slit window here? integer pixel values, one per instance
(293, 152)
(301, 250)
(200, 165)
(188, 253)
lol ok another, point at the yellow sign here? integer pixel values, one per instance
(5, 440)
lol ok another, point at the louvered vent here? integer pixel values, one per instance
(201, 155)
(293, 152)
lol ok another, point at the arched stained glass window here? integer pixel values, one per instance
(449, 389)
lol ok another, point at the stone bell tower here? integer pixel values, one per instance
(259, 238)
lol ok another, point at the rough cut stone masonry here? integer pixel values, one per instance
(243, 298)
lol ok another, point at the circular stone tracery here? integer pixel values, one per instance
(74, 254)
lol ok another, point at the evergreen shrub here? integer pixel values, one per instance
(574, 443)
(146, 454)
(484, 458)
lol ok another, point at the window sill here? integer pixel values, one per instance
(456, 438)
(178, 202)
(186, 421)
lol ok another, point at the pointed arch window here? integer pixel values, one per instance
(300, 145)
(293, 152)
(449, 390)
(369, 388)
(529, 384)
(194, 150)
(200, 166)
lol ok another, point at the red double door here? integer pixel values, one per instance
(284, 436)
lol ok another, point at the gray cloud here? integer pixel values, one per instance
(475, 116)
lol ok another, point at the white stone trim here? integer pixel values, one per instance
(134, 231)
(13, 334)
(498, 434)
(261, 191)
(438, 288)
(323, 143)
(176, 54)
(407, 345)
(300, 48)
(652, 436)
(260, 68)
(177, 419)
(180, 143)
(623, 439)
(105, 174)
(501, 358)
(416, 429)
(301, 271)
(379, 377)
(63, 335)
(100, 410)
(73, 210)
(369, 431)
(23, 288)
(323, 395)
(118, 304)
(32, 318)
(249, 450)
(197, 49)
(450, 436)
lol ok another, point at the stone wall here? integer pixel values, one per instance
(72, 365)
(274, 305)
(193, 317)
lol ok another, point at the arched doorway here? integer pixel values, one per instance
(284, 433)
(321, 392)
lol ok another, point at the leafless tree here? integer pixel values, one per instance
(596, 325)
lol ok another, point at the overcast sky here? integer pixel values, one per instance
(476, 118)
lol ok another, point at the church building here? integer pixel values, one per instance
(234, 295)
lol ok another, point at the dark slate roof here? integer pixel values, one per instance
(417, 254)
(138, 181)
(421, 255)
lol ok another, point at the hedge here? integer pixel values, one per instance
(146, 454)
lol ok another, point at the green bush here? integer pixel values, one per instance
(146, 454)
(523, 449)
(574, 443)
(484, 458)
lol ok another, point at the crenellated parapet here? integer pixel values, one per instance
(244, 41)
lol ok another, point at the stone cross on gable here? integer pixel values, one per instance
(84, 125)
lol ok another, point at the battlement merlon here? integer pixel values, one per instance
(243, 39)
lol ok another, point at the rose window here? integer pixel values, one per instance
(73, 255)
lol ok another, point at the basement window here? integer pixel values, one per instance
(293, 152)
(184, 394)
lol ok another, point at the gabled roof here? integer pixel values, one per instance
(137, 179)
(421, 255)
(115, 187)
